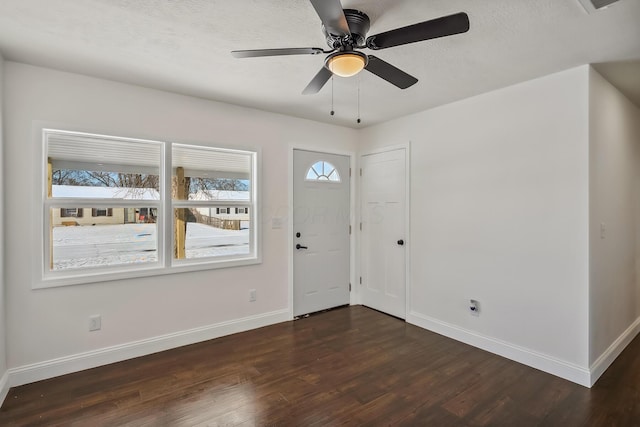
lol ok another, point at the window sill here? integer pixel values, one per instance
(97, 276)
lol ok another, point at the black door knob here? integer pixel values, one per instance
(298, 235)
(299, 246)
(401, 242)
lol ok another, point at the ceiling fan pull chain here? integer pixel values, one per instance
(332, 112)
(358, 121)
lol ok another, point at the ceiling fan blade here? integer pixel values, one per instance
(277, 52)
(388, 72)
(318, 82)
(439, 27)
(332, 16)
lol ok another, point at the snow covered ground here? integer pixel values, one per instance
(103, 245)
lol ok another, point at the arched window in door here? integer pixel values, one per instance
(323, 171)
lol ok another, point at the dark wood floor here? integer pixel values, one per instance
(350, 366)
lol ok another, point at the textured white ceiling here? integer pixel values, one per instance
(183, 46)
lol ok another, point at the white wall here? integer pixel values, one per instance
(614, 134)
(499, 213)
(53, 323)
(3, 323)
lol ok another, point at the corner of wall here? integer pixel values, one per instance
(590, 177)
(4, 383)
(611, 354)
(637, 212)
(614, 223)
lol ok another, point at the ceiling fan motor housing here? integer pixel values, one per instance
(359, 25)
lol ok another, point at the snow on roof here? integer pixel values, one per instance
(76, 191)
(219, 195)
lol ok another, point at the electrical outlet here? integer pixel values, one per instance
(252, 295)
(95, 323)
(474, 307)
(277, 222)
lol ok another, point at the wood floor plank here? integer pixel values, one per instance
(350, 367)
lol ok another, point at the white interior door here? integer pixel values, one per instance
(384, 212)
(321, 231)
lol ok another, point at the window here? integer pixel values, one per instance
(205, 179)
(102, 212)
(109, 203)
(323, 171)
(71, 212)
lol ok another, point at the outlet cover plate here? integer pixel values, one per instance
(95, 323)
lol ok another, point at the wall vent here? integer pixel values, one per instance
(592, 6)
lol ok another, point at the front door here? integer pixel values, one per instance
(384, 213)
(321, 231)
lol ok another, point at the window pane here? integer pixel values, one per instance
(211, 232)
(323, 171)
(83, 240)
(101, 167)
(202, 173)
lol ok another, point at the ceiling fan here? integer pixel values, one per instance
(345, 31)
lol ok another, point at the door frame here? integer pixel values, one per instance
(407, 220)
(352, 219)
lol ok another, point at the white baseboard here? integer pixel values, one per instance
(4, 387)
(543, 362)
(606, 359)
(91, 359)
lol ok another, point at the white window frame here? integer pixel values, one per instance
(224, 204)
(166, 264)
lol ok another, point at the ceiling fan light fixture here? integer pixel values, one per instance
(346, 64)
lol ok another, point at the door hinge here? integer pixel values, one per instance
(349, 287)
(360, 226)
(349, 230)
(360, 171)
(361, 280)
(349, 172)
